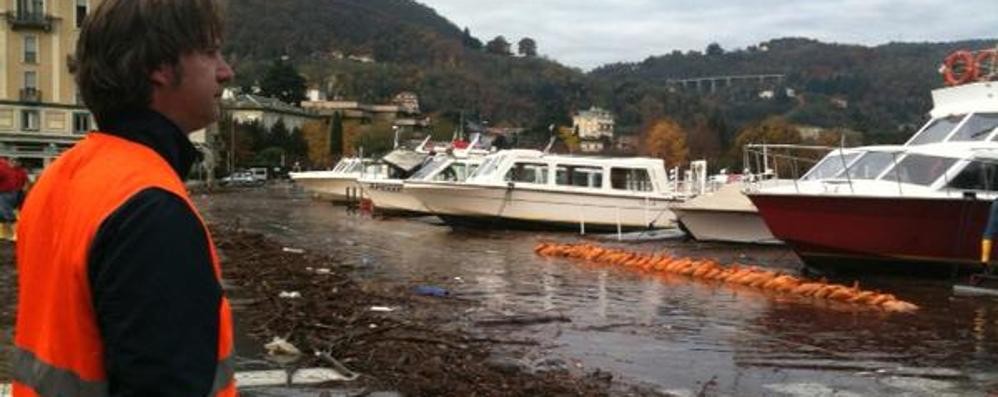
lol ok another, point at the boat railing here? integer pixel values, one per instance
(770, 165)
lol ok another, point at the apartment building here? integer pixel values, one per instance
(594, 127)
(41, 113)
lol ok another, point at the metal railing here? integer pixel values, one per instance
(30, 95)
(27, 19)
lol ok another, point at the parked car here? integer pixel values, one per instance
(241, 178)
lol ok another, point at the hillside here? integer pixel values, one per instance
(414, 49)
(882, 91)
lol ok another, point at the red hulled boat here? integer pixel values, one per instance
(922, 203)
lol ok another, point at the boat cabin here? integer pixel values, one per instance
(532, 168)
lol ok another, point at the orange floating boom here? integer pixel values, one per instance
(736, 274)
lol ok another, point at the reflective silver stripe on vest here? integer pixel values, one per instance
(224, 373)
(49, 381)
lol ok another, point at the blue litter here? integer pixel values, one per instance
(429, 290)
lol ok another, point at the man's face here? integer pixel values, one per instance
(188, 93)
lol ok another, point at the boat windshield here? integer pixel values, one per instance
(342, 164)
(353, 167)
(455, 172)
(830, 166)
(434, 166)
(488, 167)
(977, 175)
(919, 169)
(936, 130)
(870, 165)
(977, 128)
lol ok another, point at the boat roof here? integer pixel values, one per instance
(967, 98)
(577, 159)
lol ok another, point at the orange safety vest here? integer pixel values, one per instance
(58, 347)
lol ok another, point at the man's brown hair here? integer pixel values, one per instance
(123, 41)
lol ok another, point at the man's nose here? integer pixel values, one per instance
(225, 72)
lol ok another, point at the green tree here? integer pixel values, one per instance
(527, 47)
(498, 46)
(336, 136)
(470, 41)
(714, 49)
(282, 81)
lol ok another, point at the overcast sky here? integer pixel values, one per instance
(589, 33)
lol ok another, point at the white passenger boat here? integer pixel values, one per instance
(336, 184)
(391, 195)
(531, 189)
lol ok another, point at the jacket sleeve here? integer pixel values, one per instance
(156, 298)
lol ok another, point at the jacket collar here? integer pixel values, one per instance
(154, 130)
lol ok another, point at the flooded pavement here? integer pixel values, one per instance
(678, 335)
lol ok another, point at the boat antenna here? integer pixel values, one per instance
(464, 152)
(547, 149)
(422, 146)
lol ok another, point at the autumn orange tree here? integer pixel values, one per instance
(665, 139)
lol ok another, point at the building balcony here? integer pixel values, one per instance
(31, 95)
(30, 20)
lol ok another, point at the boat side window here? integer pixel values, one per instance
(527, 173)
(580, 176)
(977, 127)
(870, 165)
(936, 130)
(633, 179)
(832, 165)
(976, 176)
(919, 169)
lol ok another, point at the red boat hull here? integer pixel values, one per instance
(844, 231)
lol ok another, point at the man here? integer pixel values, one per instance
(8, 199)
(119, 291)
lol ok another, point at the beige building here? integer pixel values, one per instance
(594, 127)
(40, 111)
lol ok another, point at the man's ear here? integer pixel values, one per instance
(163, 76)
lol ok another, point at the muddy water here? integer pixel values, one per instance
(676, 335)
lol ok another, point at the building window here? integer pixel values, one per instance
(31, 79)
(30, 119)
(30, 7)
(81, 12)
(81, 122)
(30, 49)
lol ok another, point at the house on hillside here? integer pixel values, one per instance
(246, 108)
(403, 112)
(594, 127)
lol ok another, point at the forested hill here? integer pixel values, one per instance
(882, 91)
(306, 28)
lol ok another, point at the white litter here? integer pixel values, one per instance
(293, 250)
(322, 270)
(289, 295)
(382, 309)
(281, 347)
(304, 376)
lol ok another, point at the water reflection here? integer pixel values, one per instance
(661, 329)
